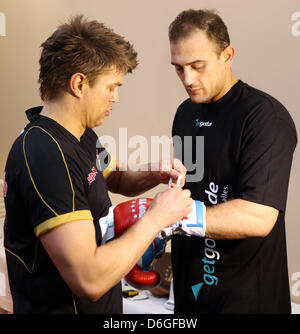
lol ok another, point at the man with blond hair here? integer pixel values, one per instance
(58, 260)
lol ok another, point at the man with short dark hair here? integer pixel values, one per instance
(240, 266)
(56, 199)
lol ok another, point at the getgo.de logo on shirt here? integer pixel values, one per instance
(211, 255)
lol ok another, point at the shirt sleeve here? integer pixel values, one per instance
(267, 148)
(56, 191)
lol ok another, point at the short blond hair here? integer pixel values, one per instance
(83, 46)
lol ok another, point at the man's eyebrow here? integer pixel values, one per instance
(191, 63)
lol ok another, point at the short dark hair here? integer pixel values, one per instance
(206, 20)
(81, 46)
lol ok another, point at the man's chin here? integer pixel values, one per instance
(100, 122)
(199, 99)
(96, 123)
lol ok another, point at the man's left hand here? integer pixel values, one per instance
(170, 169)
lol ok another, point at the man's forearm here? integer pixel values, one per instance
(132, 182)
(135, 180)
(117, 257)
(238, 219)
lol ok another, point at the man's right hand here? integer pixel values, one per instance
(169, 207)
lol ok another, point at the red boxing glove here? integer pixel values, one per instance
(142, 280)
(128, 213)
(125, 215)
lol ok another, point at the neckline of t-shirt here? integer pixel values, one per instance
(225, 98)
(38, 116)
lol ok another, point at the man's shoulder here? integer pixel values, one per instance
(262, 104)
(262, 98)
(43, 149)
(38, 139)
(31, 139)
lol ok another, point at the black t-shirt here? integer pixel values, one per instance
(249, 140)
(52, 179)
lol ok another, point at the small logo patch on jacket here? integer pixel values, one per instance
(92, 175)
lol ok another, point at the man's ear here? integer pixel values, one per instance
(228, 55)
(77, 81)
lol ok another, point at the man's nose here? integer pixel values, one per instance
(188, 77)
(115, 96)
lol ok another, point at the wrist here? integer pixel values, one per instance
(195, 223)
(192, 225)
(152, 222)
